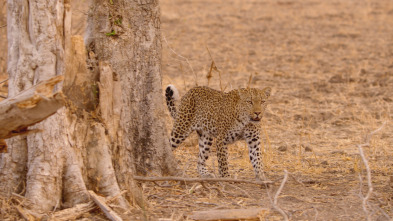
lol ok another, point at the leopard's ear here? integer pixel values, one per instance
(267, 91)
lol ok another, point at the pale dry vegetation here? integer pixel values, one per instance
(330, 64)
(331, 69)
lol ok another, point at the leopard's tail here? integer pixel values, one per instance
(172, 95)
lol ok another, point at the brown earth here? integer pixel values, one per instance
(330, 64)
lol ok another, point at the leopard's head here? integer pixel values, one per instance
(253, 102)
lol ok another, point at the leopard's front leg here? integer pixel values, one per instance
(252, 137)
(222, 156)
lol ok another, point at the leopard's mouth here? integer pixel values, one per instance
(256, 119)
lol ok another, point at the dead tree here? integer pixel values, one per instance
(111, 127)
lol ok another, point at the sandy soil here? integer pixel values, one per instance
(330, 64)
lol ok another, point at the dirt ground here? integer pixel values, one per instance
(330, 64)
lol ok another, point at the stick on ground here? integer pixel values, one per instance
(368, 171)
(74, 212)
(109, 213)
(228, 214)
(200, 180)
(275, 206)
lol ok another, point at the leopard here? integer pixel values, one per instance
(224, 116)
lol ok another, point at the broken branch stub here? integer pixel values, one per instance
(29, 107)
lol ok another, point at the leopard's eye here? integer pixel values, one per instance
(262, 102)
(250, 102)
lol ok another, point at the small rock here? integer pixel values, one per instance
(387, 99)
(337, 79)
(307, 149)
(324, 162)
(252, 53)
(283, 148)
(297, 117)
(362, 72)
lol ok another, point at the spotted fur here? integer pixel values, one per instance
(227, 117)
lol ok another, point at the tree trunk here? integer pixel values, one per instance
(112, 126)
(126, 35)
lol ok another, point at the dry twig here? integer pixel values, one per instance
(214, 67)
(152, 179)
(182, 57)
(316, 213)
(227, 214)
(275, 206)
(73, 212)
(219, 192)
(110, 214)
(24, 214)
(4, 81)
(368, 171)
(249, 81)
(241, 190)
(116, 196)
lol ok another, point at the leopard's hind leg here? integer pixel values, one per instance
(205, 143)
(222, 157)
(181, 129)
(178, 136)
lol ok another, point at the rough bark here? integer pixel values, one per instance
(124, 39)
(38, 32)
(21, 73)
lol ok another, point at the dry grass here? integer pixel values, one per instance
(329, 64)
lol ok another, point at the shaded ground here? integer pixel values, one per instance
(330, 64)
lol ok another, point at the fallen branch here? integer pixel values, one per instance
(69, 213)
(74, 212)
(21, 200)
(100, 201)
(368, 171)
(79, 209)
(24, 214)
(29, 107)
(228, 214)
(200, 180)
